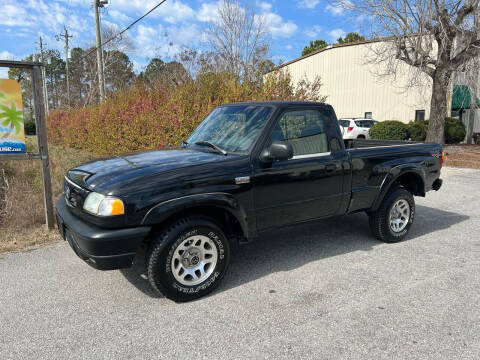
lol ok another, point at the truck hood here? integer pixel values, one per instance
(104, 174)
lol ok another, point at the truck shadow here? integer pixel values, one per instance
(292, 247)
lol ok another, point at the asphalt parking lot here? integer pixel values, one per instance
(326, 290)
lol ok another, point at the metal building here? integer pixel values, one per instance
(356, 86)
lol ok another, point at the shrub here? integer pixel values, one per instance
(30, 128)
(476, 137)
(151, 118)
(389, 130)
(454, 131)
(417, 130)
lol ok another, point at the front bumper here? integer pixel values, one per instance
(104, 249)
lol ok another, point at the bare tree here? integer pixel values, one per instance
(113, 58)
(239, 36)
(469, 76)
(435, 37)
(197, 62)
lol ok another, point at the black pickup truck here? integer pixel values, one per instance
(247, 168)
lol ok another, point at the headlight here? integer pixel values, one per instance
(98, 204)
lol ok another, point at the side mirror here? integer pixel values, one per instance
(279, 150)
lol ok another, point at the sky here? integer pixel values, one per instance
(291, 25)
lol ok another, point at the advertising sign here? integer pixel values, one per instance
(12, 132)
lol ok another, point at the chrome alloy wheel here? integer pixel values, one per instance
(399, 215)
(194, 260)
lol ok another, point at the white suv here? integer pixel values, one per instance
(354, 128)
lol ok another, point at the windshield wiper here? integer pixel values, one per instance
(216, 147)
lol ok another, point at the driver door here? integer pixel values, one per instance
(305, 187)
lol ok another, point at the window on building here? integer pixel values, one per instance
(303, 129)
(419, 115)
(457, 114)
(368, 115)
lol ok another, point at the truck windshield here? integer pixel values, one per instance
(232, 128)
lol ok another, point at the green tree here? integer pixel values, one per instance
(160, 72)
(153, 68)
(266, 67)
(79, 81)
(350, 37)
(118, 70)
(55, 70)
(314, 46)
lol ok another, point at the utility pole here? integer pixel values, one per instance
(44, 81)
(101, 78)
(66, 37)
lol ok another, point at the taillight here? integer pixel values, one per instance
(442, 159)
(350, 128)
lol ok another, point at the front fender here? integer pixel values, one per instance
(392, 176)
(162, 211)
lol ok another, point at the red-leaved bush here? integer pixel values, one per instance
(157, 117)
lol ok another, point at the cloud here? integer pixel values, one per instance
(208, 12)
(274, 23)
(279, 27)
(289, 47)
(151, 41)
(335, 10)
(314, 31)
(309, 4)
(13, 15)
(3, 73)
(81, 3)
(5, 55)
(119, 16)
(147, 39)
(265, 6)
(34, 13)
(339, 10)
(336, 33)
(172, 11)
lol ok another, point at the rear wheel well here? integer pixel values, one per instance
(412, 182)
(223, 218)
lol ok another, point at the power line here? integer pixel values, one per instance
(126, 29)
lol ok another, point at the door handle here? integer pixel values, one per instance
(330, 168)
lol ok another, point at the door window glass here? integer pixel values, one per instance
(304, 130)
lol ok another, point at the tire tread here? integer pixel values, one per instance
(378, 219)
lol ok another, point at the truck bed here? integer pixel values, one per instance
(362, 143)
(373, 160)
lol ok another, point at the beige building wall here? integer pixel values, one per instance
(353, 86)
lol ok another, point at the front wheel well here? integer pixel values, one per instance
(222, 217)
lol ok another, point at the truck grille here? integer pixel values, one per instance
(74, 195)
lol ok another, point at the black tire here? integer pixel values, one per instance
(361, 137)
(163, 246)
(379, 220)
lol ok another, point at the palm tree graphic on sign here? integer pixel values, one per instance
(11, 117)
